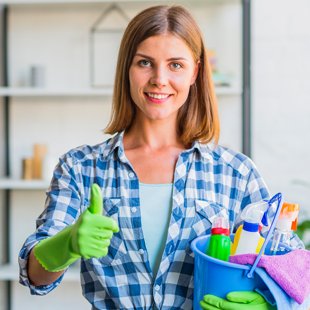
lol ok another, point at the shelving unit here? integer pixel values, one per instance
(32, 114)
(87, 92)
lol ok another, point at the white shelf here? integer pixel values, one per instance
(107, 2)
(90, 92)
(10, 272)
(7, 183)
(74, 1)
(45, 92)
(18, 2)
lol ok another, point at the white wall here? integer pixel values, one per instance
(281, 102)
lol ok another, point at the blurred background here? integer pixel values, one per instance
(56, 77)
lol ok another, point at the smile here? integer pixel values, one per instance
(157, 96)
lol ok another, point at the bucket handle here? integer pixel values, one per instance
(276, 197)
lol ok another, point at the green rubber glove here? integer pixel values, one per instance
(242, 300)
(88, 237)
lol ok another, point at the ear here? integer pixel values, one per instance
(195, 74)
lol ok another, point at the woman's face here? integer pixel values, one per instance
(161, 73)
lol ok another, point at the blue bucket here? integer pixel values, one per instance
(217, 277)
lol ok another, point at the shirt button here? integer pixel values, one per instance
(133, 209)
(157, 287)
(131, 175)
(141, 251)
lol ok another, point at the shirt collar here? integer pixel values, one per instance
(203, 149)
(116, 144)
(113, 144)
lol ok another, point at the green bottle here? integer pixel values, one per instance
(219, 242)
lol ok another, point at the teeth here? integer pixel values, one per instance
(157, 96)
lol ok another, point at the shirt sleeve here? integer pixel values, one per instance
(63, 205)
(255, 190)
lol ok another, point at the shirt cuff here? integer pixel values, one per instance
(24, 278)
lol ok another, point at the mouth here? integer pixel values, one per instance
(157, 97)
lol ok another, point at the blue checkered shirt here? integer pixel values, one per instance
(208, 181)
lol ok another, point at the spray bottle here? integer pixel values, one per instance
(248, 238)
(287, 222)
(219, 244)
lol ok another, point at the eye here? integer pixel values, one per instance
(144, 63)
(176, 66)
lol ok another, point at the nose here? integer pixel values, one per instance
(159, 77)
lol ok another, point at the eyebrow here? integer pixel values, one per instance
(170, 59)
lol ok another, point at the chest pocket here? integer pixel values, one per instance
(117, 248)
(205, 213)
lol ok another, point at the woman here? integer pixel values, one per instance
(163, 178)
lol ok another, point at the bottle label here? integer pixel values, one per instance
(219, 247)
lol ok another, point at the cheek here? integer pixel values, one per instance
(136, 82)
(183, 83)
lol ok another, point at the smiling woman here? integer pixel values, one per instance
(163, 178)
(162, 38)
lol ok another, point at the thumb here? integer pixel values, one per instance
(96, 205)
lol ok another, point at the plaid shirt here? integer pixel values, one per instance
(209, 181)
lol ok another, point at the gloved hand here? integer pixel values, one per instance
(242, 300)
(88, 237)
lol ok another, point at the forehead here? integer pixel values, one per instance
(167, 44)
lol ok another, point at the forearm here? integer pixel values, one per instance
(88, 237)
(38, 275)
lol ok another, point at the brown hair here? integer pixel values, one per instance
(198, 117)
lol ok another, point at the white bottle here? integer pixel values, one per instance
(249, 239)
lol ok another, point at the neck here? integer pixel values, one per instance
(152, 135)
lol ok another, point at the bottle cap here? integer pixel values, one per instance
(220, 226)
(251, 227)
(220, 231)
(288, 216)
(256, 212)
(289, 207)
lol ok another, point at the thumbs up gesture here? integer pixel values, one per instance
(89, 237)
(92, 232)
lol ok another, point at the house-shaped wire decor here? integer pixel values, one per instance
(105, 37)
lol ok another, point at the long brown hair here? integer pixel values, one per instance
(198, 117)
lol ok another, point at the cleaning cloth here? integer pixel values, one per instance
(290, 271)
(275, 295)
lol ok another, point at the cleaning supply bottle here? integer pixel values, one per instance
(286, 223)
(248, 238)
(237, 238)
(219, 243)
